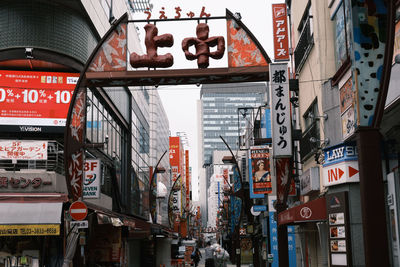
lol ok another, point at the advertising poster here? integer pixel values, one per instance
(33, 101)
(23, 150)
(260, 182)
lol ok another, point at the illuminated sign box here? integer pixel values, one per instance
(34, 101)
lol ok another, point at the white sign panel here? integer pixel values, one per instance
(79, 224)
(344, 172)
(91, 184)
(23, 150)
(280, 110)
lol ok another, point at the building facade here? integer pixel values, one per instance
(47, 46)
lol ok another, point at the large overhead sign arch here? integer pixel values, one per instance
(108, 66)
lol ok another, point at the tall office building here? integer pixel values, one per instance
(218, 115)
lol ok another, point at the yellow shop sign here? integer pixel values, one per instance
(29, 229)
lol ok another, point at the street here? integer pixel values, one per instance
(202, 261)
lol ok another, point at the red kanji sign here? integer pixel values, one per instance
(78, 210)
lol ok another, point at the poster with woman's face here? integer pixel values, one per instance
(260, 171)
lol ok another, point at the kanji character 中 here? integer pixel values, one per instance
(152, 42)
(202, 44)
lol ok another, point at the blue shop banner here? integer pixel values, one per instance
(340, 153)
(273, 230)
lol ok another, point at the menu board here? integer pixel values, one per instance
(339, 229)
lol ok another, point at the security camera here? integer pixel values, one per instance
(106, 139)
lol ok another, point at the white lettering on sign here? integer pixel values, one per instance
(335, 153)
(343, 172)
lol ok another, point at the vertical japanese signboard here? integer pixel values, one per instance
(280, 107)
(281, 37)
(259, 168)
(174, 156)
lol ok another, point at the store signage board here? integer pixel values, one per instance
(78, 210)
(309, 181)
(338, 229)
(29, 230)
(91, 184)
(345, 172)
(281, 34)
(34, 101)
(79, 224)
(340, 153)
(280, 110)
(23, 150)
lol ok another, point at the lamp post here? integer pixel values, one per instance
(153, 185)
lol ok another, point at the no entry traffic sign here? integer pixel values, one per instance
(78, 210)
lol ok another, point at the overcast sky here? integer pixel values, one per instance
(180, 101)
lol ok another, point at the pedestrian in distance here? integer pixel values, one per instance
(221, 257)
(196, 256)
(209, 255)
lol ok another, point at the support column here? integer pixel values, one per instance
(372, 197)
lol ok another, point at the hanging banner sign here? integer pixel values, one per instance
(259, 168)
(91, 184)
(280, 107)
(23, 150)
(281, 37)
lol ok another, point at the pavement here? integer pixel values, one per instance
(202, 261)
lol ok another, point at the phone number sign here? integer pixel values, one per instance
(31, 229)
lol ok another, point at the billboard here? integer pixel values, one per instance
(259, 167)
(33, 101)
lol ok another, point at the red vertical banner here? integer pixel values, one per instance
(187, 177)
(174, 156)
(280, 28)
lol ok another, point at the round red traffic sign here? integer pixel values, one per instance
(78, 210)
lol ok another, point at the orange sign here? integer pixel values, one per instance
(281, 37)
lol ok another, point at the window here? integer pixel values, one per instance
(306, 39)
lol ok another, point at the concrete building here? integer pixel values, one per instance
(218, 115)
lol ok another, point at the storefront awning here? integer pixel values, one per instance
(30, 213)
(314, 210)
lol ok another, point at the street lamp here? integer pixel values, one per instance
(153, 186)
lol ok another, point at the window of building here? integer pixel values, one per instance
(306, 38)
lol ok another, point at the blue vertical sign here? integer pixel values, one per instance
(273, 230)
(291, 246)
(273, 238)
